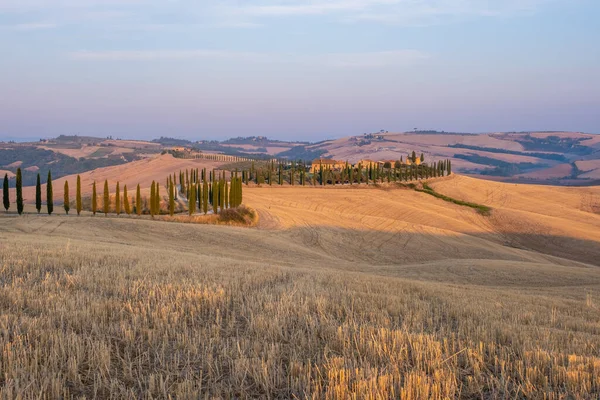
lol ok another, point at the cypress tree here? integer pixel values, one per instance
(174, 181)
(49, 194)
(138, 201)
(205, 195)
(38, 194)
(232, 193)
(126, 201)
(422, 158)
(191, 199)
(19, 191)
(215, 199)
(106, 198)
(449, 167)
(152, 196)
(66, 203)
(94, 199)
(222, 194)
(5, 193)
(78, 195)
(239, 194)
(321, 174)
(198, 190)
(171, 199)
(118, 200)
(226, 195)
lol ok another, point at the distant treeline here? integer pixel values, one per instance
(417, 132)
(61, 164)
(302, 153)
(555, 144)
(168, 141)
(502, 168)
(545, 156)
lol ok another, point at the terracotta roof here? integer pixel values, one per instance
(327, 161)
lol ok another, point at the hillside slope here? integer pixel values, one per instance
(339, 293)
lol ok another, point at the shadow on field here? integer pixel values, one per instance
(485, 259)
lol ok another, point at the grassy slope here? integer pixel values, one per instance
(399, 294)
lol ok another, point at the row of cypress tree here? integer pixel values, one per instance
(218, 193)
(19, 193)
(204, 190)
(296, 173)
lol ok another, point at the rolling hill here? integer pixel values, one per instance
(338, 292)
(555, 158)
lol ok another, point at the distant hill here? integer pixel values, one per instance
(559, 158)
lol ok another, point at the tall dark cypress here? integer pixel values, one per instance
(152, 196)
(78, 196)
(38, 194)
(49, 194)
(5, 193)
(205, 195)
(171, 198)
(126, 201)
(19, 191)
(118, 200)
(94, 199)
(138, 200)
(66, 202)
(106, 204)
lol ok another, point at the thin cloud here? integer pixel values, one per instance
(250, 13)
(32, 26)
(399, 11)
(334, 60)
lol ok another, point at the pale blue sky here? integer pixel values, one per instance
(294, 69)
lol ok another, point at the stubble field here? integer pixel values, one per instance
(338, 293)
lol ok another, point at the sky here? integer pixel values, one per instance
(293, 69)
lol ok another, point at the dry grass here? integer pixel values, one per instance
(131, 308)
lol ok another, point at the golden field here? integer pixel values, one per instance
(339, 292)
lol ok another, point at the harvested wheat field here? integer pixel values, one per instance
(337, 293)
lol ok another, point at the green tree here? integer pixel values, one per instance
(413, 157)
(126, 201)
(118, 200)
(191, 199)
(19, 191)
(78, 195)
(138, 201)
(215, 199)
(94, 199)
(66, 202)
(106, 204)
(199, 194)
(422, 157)
(152, 196)
(38, 194)
(449, 167)
(171, 198)
(49, 194)
(6, 193)
(205, 196)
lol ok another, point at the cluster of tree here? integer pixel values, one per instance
(38, 193)
(205, 191)
(297, 173)
(377, 173)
